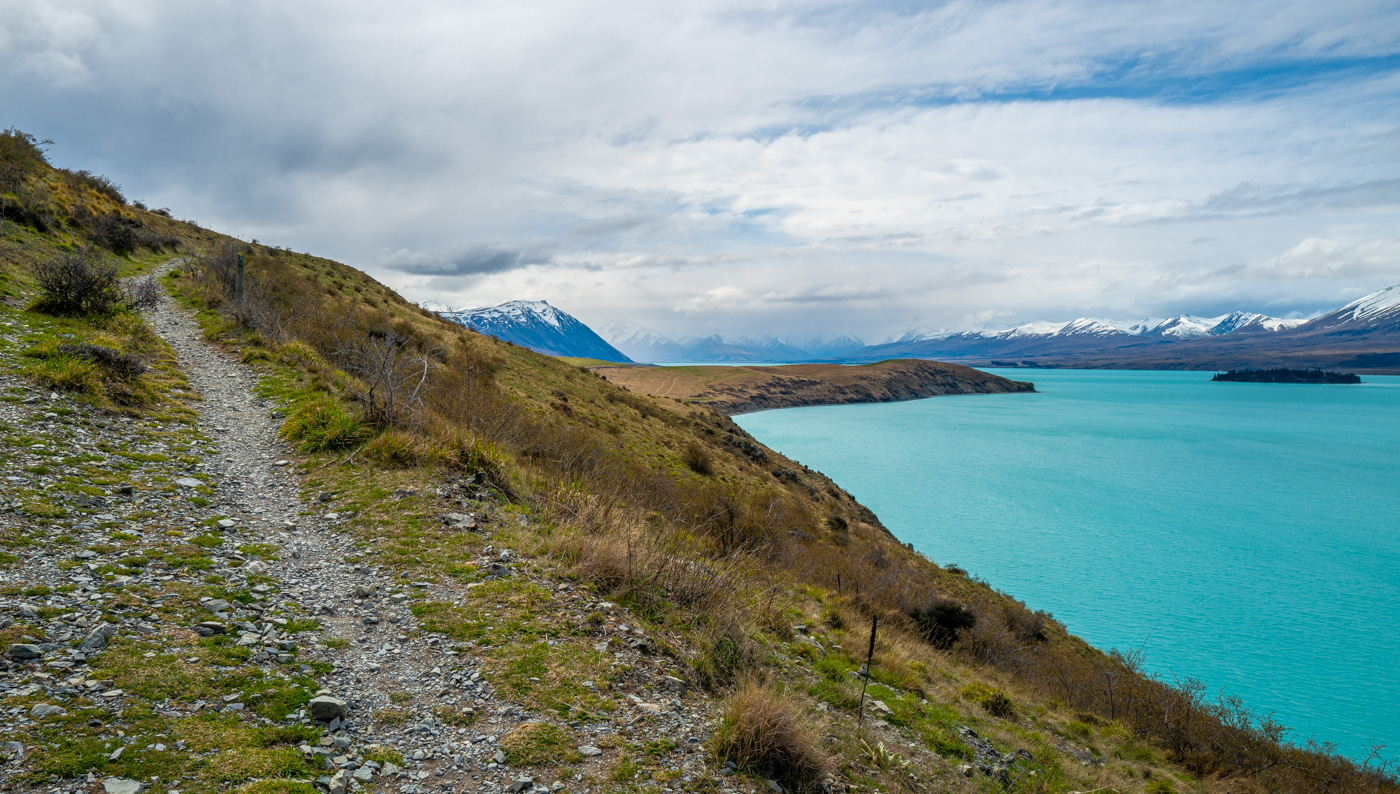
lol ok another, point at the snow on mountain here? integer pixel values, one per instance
(1251, 321)
(1380, 308)
(539, 327)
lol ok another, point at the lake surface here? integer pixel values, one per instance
(1248, 535)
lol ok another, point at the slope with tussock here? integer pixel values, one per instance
(760, 576)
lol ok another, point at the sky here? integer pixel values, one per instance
(755, 167)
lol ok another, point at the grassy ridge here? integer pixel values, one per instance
(736, 390)
(762, 575)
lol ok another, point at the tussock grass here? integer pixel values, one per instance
(765, 733)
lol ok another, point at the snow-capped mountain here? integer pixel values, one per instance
(538, 326)
(1380, 309)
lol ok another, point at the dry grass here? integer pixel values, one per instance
(763, 732)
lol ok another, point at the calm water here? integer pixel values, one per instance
(1247, 534)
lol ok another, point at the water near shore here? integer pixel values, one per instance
(1247, 535)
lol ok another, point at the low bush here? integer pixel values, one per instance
(993, 699)
(323, 424)
(697, 460)
(763, 733)
(75, 282)
(941, 621)
(113, 361)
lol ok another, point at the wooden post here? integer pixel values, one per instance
(238, 287)
(869, 660)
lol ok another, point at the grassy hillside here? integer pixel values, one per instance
(756, 579)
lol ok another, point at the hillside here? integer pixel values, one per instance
(737, 390)
(318, 539)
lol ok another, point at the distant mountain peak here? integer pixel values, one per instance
(539, 327)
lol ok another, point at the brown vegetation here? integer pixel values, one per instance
(737, 390)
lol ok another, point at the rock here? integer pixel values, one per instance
(14, 751)
(23, 651)
(189, 482)
(364, 774)
(361, 591)
(965, 770)
(499, 757)
(325, 708)
(256, 568)
(589, 751)
(96, 639)
(227, 523)
(217, 605)
(465, 521)
(209, 628)
(340, 782)
(43, 710)
(28, 611)
(122, 785)
(497, 569)
(521, 784)
(675, 684)
(85, 555)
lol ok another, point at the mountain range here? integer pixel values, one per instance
(1362, 335)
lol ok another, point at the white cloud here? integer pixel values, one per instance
(721, 165)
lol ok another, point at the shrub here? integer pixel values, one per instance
(993, 699)
(76, 283)
(323, 424)
(764, 734)
(698, 461)
(115, 233)
(141, 294)
(121, 364)
(1160, 787)
(941, 621)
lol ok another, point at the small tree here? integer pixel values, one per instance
(73, 282)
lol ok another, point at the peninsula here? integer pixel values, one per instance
(739, 390)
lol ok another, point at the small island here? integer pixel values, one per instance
(1281, 375)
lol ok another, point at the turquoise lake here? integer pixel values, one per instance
(1246, 535)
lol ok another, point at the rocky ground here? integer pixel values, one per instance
(179, 612)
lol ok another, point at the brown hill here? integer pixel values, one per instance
(738, 390)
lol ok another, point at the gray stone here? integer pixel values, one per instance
(189, 482)
(217, 605)
(209, 628)
(364, 774)
(28, 611)
(675, 684)
(122, 785)
(13, 750)
(497, 569)
(589, 751)
(521, 784)
(25, 651)
(361, 591)
(326, 708)
(96, 639)
(340, 782)
(465, 521)
(227, 523)
(42, 710)
(499, 757)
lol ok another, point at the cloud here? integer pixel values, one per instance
(770, 168)
(480, 261)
